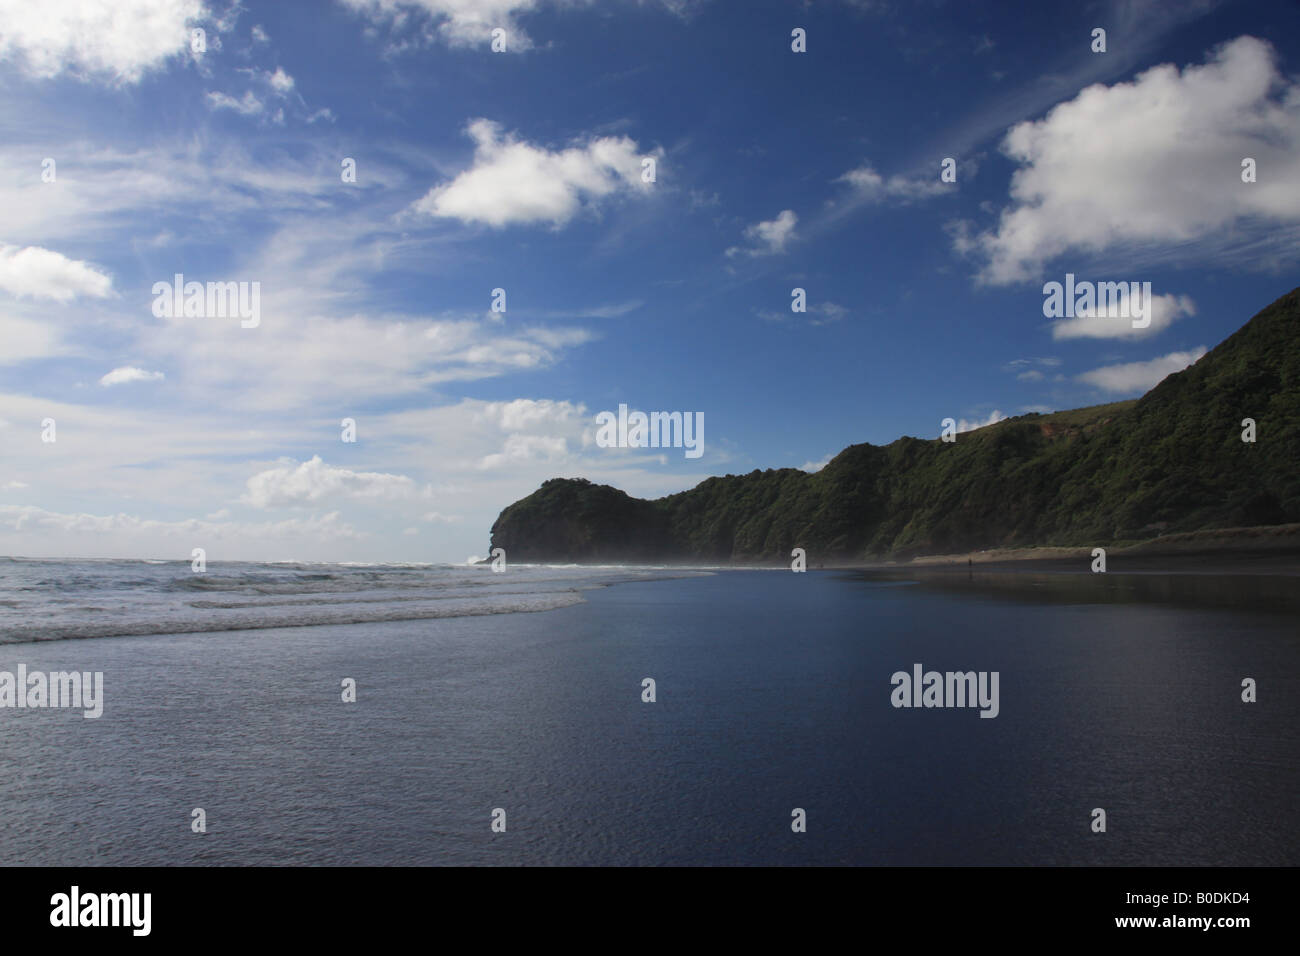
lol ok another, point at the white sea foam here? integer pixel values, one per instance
(61, 600)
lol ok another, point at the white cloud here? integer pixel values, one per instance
(514, 182)
(44, 274)
(526, 414)
(467, 23)
(273, 84)
(1163, 310)
(612, 311)
(162, 187)
(435, 517)
(459, 22)
(770, 235)
(129, 373)
(121, 39)
(524, 448)
(210, 453)
(1157, 160)
(1034, 369)
(27, 339)
(812, 467)
(250, 105)
(1047, 361)
(37, 521)
(313, 481)
(1140, 376)
(870, 186)
(358, 355)
(280, 81)
(829, 312)
(964, 425)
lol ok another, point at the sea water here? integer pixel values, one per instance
(524, 692)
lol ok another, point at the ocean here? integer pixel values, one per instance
(521, 698)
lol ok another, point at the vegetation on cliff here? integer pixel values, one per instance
(1171, 461)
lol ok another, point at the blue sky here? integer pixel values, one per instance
(522, 170)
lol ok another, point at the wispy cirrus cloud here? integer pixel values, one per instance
(869, 186)
(468, 23)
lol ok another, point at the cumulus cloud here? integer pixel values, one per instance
(1133, 377)
(770, 236)
(313, 481)
(1157, 160)
(274, 85)
(812, 467)
(523, 448)
(129, 373)
(280, 81)
(1164, 309)
(964, 425)
(45, 274)
(527, 414)
(513, 182)
(120, 39)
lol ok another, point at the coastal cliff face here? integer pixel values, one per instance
(1171, 461)
(574, 520)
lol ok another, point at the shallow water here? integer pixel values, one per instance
(773, 693)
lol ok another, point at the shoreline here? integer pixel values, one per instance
(1267, 550)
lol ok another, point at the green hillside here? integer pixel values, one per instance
(1171, 461)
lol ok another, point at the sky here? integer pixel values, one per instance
(638, 188)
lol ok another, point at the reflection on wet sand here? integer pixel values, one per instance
(1253, 591)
